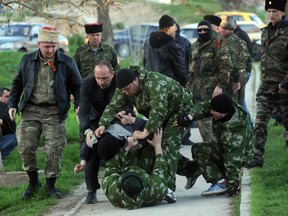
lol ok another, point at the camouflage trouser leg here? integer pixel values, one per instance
(186, 167)
(28, 135)
(266, 102)
(209, 156)
(205, 129)
(171, 141)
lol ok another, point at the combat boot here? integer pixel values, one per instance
(34, 184)
(50, 188)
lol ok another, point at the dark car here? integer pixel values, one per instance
(23, 37)
(130, 41)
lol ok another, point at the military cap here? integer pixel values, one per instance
(48, 34)
(93, 28)
(275, 4)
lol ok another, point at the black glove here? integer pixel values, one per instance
(284, 85)
(183, 120)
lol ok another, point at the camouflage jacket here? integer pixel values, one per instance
(274, 59)
(159, 97)
(235, 137)
(86, 58)
(210, 66)
(240, 56)
(154, 179)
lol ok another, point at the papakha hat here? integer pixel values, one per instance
(93, 28)
(275, 4)
(215, 20)
(48, 34)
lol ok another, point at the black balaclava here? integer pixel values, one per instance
(206, 36)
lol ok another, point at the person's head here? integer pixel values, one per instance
(227, 25)
(4, 95)
(131, 183)
(220, 106)
(108, 146)
(204, 30)
(48, 39)
(104, 74)
(275, 10)
(214, 20)
(94, 33)
(168, 25)
(127, 81)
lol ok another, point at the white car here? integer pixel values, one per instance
(252, 29)
(23, 37)
(190, 32)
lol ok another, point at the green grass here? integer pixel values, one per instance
(11, 202)
(269, 184)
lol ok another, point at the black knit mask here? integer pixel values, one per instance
(203, 37)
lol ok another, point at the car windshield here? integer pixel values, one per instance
(189, 33)
(15, 30)
(257, 20)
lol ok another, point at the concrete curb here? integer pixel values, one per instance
(245, 193)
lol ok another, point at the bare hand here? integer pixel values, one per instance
(12, 113)
(99, 131)
(217, 91)
(236, 87)
(140, 134)
(79, 168)
(126, 119)
(88, 138)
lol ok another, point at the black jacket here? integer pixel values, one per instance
(93, 102)
(162, 54)
(8, 126)
(67, 81)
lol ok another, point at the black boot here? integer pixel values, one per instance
(91, 197)
(50, 188)
(34, 184)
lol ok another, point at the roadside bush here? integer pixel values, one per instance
(75, 41)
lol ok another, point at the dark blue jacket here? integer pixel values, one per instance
(67, 82)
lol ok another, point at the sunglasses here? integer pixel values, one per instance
(203, 30)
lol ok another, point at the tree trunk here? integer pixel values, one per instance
(103, 17)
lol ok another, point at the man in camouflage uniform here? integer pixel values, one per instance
(274, 68)
(210, 71)
(44, 81)
(157, 97)
(220, 161)
(133, 179)
(240, 56)
(88, 55)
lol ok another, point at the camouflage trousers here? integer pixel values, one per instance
(37, 122)
(171, 141)
(267, 101)
(216, 163)
(205, 129)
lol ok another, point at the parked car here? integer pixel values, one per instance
(252, 29)
(242, 16)
(23, 37)
(130, 41)
(190, 32)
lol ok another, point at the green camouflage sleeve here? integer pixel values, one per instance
(224, 65)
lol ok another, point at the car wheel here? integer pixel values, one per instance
(22, 49)
(124, 50)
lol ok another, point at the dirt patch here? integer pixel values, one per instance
(12, 179)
